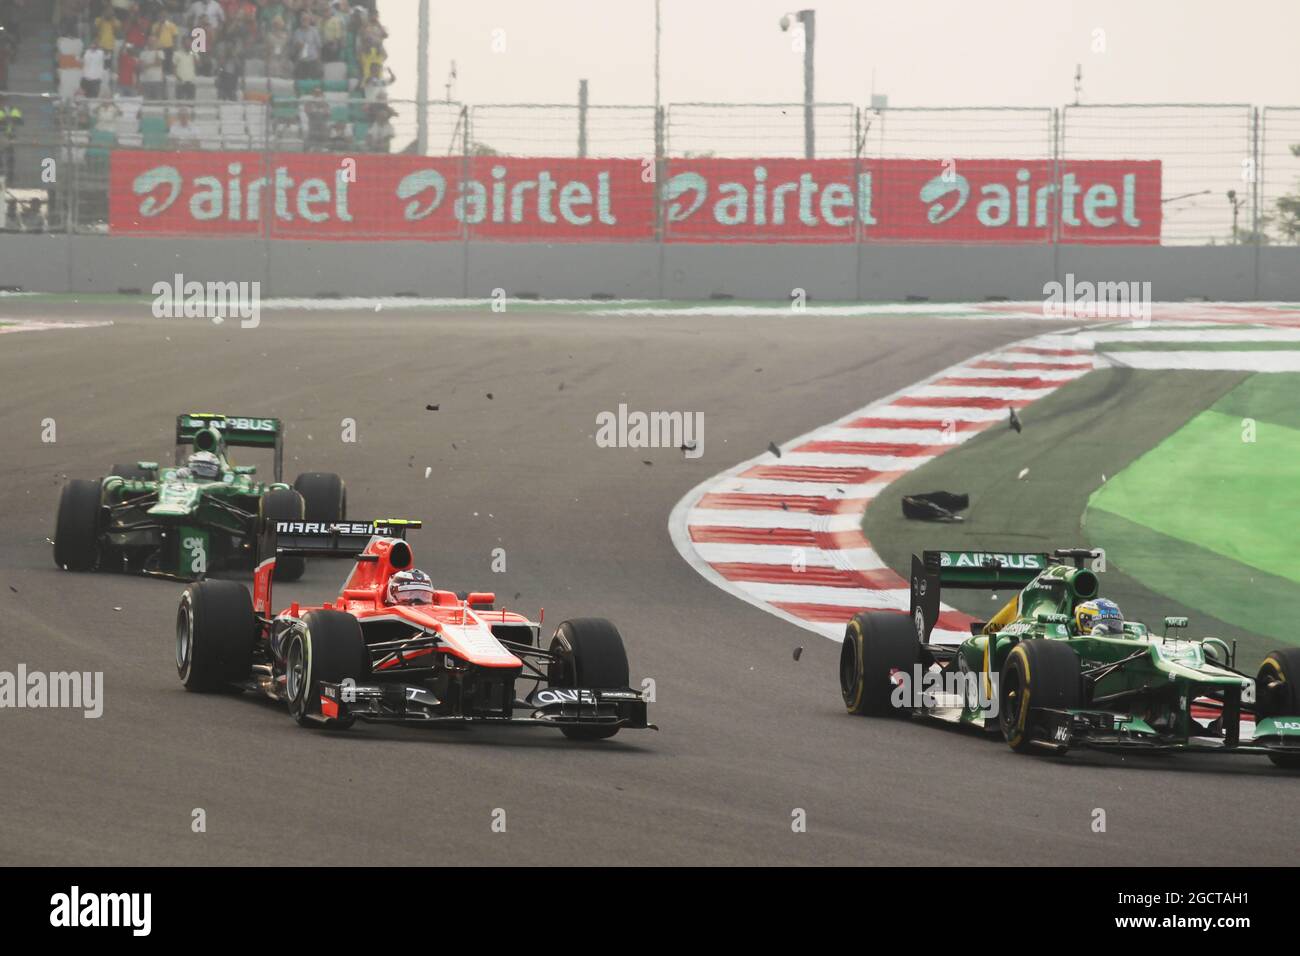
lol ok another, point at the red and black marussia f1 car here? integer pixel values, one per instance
(452, 660)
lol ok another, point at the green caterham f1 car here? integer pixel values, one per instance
(200, 515)
(1030, 674)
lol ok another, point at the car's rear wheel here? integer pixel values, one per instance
(76, 529)
(216, 632)
(1037, 673)
(330, 648)
(589, 652)
(877, 646)
(282, 504)
(324, 495)
(1277, 690)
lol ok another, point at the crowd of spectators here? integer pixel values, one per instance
(319, 66)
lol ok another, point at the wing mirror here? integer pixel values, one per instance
(147, 465)
(1218, 652)
(245, 469)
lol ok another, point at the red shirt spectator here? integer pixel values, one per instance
(127, 70)
(137, 33)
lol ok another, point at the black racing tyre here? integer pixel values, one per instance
(132, 473)
(1037, 673)
(216, 632)
(589, 653)
(877, 644)
(282, 504)
(324, 495)
(76, 529)
(1277, 694)
(330, 648)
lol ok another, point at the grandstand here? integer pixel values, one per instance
(96, 75)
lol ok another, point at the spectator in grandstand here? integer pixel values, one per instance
(128, 71)
(372, 57)
(138, 25)
(379, 137)
(317, 109)
(279, 61)
(306, 49)
(185, 63)
(107, 29)
(92, 71)
(334, 32)
(152, 80)
(106, 112)
(11, 118)
(377, 84)
(182, 134)
(230, 67)
(164, 32)
(271, 11)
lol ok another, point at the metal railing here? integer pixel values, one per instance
(1229, 174)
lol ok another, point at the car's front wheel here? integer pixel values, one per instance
(76, 529)
(588, 653)
(328, 648)
(1037, 673)
(1277, 689)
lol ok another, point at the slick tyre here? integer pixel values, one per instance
(329, 648)
(282, 504)
(216, 631)
(324, 495)
(877, 645)
(589, 653)
(76, 529)
(1037, 673)
(1277, 689)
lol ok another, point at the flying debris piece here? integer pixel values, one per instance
(1015, 421)
(431, 408)
(489, 395)
(784, 506)
(561, 388)
(935, 506)
(798, 652)
(14, 589)
(1023, 472)
(647, 461)
(428, 470)
(771, 446)
(688, 446)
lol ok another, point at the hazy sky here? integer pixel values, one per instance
(923, 52)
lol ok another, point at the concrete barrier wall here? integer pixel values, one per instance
(56, 263)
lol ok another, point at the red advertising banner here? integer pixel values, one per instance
(329, 196)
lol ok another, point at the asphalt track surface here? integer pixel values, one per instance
(749, 734)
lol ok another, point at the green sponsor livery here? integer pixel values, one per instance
(1046, 686)
(169, 521)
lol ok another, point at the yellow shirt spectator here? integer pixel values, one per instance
(166, 32)
(106, 29)
(373, 55)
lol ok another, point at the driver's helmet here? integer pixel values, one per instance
(410, 587)
(1099, 617)
(205, 465)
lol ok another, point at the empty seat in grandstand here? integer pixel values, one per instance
(256, 84)
(254, 69)
(282, 87)
(306, 87)
(334, 72)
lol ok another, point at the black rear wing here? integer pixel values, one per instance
(330, 539)
(235, 431)
(974, 570)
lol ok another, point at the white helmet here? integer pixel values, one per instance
(410, 587)
(204, 464)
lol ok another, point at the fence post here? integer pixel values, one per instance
(582, 119)
(1255, 175)
(1058, 149)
